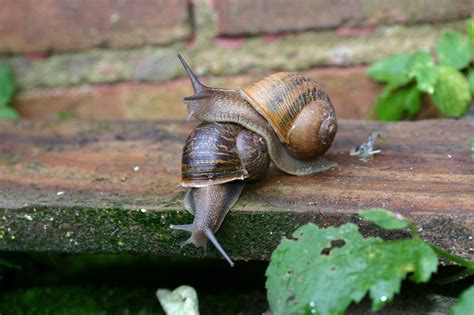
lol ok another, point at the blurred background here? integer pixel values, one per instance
(116, 59)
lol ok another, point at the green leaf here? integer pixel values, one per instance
(8, 113)
(64, 115)
(7, 87)
(465, 306)
(451, 93)
(453, 50)
(393, 105)
(392, 70)
(412, 102)
(383, 218)
(423, 69)
(470, 29)
(321, 271)
(470, 79)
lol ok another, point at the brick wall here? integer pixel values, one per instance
(116, 58)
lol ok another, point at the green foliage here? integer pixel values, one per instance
(64, 115)
(470, 79)
(83, 300)
(470, 29)
(408, 75)
(321, 271)
(383, 218)
(423, 69)
(465, 306)
(8, 113)
(7, 90)
(395, 104)
(392, 70)
(452, 94)
(453, 50)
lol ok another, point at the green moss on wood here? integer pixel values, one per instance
(244, 234)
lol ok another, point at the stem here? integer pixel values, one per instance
(441, 252)
(413, 231)
(453, 278)
(461, 261)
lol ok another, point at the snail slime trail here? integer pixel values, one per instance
(286, 118)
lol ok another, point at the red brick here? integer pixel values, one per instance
(351, 91)
(32, 25)
(237, 17)
(124, 100)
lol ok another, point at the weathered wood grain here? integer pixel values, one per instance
(83, 186)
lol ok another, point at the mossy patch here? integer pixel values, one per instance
(244, 234)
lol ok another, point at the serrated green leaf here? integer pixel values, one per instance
(393, 70)
(423, 69)
(465, 306)
(470, 79)
(394, 105)
(7, 113)
(452, 94)
(321, 271)
(453, 50)
(7, 87)
(383, 218)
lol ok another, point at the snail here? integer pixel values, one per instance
(217, 159)
(286, 118)
(290, 111)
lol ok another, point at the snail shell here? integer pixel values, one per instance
(298, 110)
(216, 153)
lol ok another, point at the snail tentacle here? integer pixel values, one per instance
(198, 87)
(210, 235)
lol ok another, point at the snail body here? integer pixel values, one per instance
(286, 118)
(209, 205)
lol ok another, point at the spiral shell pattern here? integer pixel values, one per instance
(299, 111)
(217, 153)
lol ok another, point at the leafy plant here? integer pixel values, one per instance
(321, 271)
(409, 75)
(466, 303)
(7, 90)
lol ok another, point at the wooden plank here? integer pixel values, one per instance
(108, 187)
